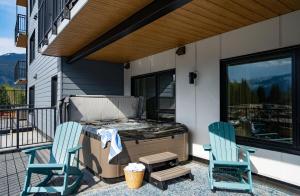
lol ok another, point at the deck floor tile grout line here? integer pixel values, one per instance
(17, 172)
(6, 175)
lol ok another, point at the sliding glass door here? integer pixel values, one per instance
(158, 91)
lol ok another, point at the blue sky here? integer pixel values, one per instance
(7, 26)
(259, 70)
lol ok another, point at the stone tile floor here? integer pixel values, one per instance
(13, 167)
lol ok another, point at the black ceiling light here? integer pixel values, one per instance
(180, 51)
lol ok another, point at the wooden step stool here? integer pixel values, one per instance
(162, 167)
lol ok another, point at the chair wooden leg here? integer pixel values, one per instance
(210, 178)
(65, 185)
(46, 179)
(26, 182)
(69, 189)
(250, 181)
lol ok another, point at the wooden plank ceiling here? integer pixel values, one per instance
(195, 21)
(95, 18)
(21, 40)
(21, 3)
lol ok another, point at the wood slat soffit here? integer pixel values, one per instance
(94, 19)
(194, 21)
(21, 3)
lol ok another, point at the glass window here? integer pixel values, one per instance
(166, 97)
(31, 96)
(259, 95)
(32, 47)
(260, 99)
(158, 90)
(53, 91)
(32, 2)
(146, 88)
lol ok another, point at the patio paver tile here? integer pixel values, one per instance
(12, 173)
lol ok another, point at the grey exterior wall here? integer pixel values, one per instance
(82, 78)
(44, 67)
(87, 77)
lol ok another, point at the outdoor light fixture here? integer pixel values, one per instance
(126, 65)
(35, 17)
(35, 76)
(180, 51)
(192, 77)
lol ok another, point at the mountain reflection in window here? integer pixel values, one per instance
(260, 99)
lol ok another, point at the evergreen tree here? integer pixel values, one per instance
(275, 94)
(261, 94)
(4, 98)
(241, 93)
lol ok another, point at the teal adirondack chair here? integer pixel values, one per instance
(62, 155)
(229, 164)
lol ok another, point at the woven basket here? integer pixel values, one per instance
(134, 179)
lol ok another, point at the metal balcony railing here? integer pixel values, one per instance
(51, 13)
(21, 26)
(21, 72)
(10, 98)
(21, 126)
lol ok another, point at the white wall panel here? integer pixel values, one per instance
(140, 66)
(162, 61)
(185, 92)
(207, 89)
(250, 39)
(290, 29)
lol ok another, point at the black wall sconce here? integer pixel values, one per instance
(192, 77)
(126, 65)
(180, 51)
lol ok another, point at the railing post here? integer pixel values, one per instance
(18, 127)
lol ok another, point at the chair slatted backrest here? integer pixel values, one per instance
(66, 136)
(222, 140)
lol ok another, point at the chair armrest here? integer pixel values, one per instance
(32, 150)
(48, 166)
(207, 147)
(74, 150)
(250, 150)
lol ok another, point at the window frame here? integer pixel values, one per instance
(294, 53)
(31, 96)
(156, 75)
(32, 47)
(32, 3)
(54, 91)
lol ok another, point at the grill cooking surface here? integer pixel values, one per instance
(135, 129)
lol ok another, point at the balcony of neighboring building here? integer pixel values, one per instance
(21, 72)
(21, 31)
(21, 3)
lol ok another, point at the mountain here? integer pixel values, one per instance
(7, 65)
(282, 81)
